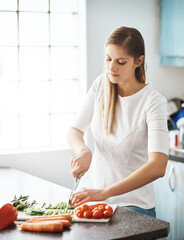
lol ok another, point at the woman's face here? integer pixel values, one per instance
(120, 67)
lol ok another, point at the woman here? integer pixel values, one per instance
(128, 119)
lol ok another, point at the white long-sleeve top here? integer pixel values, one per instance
(140, 127)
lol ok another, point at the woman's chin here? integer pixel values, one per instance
(113, 80)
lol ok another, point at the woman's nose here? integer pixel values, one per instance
(112, 66)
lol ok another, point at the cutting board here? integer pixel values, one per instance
(22, 216)
(76, 219)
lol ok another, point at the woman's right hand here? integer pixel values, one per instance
(80, 163)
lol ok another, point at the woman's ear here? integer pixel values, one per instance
(139, 61)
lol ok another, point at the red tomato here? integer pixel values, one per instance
(97, 214)
(94, 209)
(88, 214)
(109, 208)
(84, 207)
(96, 205)
(102, 208)
(79, 214)
(107, 214)
(77, 208)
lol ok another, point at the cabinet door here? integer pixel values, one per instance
(165, 196)
(171, 32)
(180, 202)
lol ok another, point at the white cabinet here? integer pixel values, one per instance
(169, 194)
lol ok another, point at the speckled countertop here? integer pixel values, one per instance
(124, 224)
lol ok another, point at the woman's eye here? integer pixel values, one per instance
(122, 63)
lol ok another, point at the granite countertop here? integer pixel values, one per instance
(176, 155)
(124, 224)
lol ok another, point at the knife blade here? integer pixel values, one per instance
(74, 186)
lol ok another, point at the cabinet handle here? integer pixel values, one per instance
(172, 172)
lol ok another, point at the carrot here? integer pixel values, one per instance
(46, 219)
(46, 226)
(65, 223)
(66, 216)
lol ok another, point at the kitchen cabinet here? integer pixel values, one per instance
(169, 193)
(171, 32)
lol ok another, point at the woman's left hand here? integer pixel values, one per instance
(88, 195)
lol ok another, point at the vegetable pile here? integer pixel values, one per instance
(8, 214)
(33, 208)
(96, 211)
(47, 223)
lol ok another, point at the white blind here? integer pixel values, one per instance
(40, 78)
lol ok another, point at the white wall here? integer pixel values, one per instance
(103, 16)
(50, 165)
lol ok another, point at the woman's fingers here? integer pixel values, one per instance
(77, 171)
(73, 161)
(82, 174)
(80, 198)
(81, 162)
(88, 195)
(85, 200)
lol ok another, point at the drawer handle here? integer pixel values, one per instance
(172, 173)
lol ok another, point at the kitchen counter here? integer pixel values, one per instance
(176, 155)
(124, 224)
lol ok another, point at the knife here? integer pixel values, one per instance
(74, 187)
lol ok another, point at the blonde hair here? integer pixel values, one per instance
(132, 41)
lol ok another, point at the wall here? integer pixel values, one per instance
(103, 16)
(50, 165)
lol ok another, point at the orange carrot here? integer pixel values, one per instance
(46, 219)
(66, 216)
(46, 226)
(65, 223)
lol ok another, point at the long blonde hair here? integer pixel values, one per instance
(132, 41)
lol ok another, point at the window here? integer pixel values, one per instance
(41, 83)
